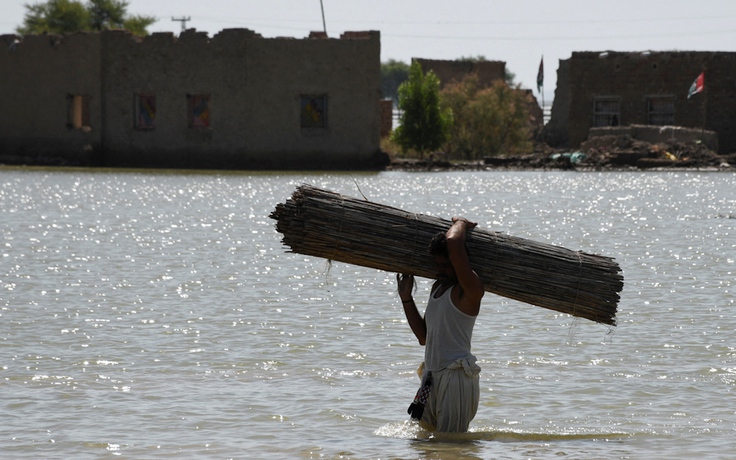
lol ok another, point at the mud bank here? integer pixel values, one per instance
(613, 152)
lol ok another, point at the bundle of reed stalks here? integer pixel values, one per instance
(325, 224)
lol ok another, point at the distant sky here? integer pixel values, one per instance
(518, 32)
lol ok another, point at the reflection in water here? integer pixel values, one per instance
(412, 430)
(472, 445)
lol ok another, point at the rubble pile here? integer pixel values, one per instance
(623, 150)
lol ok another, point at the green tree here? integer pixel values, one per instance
(107, 14)
(54, 16)
(487, 121)
(138, 25)
(509, 77)
(69, 16)
(424, 125)
(393, 74)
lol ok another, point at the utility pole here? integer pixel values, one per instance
(183, 22)
(324, 24)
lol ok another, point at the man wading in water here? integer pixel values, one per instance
(448, 396)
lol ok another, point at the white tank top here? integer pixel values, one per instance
(449, 332)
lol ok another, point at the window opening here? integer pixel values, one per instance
(199, 110)
(607, 112)
(78, 116)
(145, 111)
(661, 110)
(314, 111)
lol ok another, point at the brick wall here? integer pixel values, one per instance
(387, 114)
(39, 74)
(255, 88)
(634, 78)
(456, 71)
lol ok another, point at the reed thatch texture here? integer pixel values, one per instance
(325, 224)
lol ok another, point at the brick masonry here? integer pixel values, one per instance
(634, 78)
(255, 85)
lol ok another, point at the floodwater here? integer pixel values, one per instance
(157, 315)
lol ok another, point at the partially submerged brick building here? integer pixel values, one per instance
(596, 89)
(236, 100)
(455, 71)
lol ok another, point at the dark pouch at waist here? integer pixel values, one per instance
(416, 408)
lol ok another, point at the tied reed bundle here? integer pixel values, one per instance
(325, 224)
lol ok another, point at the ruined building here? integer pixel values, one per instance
(455, 71)
(596, 89)
(235, 101)
(487, 72)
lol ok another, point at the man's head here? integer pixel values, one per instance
(438, 250)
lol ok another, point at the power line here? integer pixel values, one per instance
(689, 19)
(567, 37)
